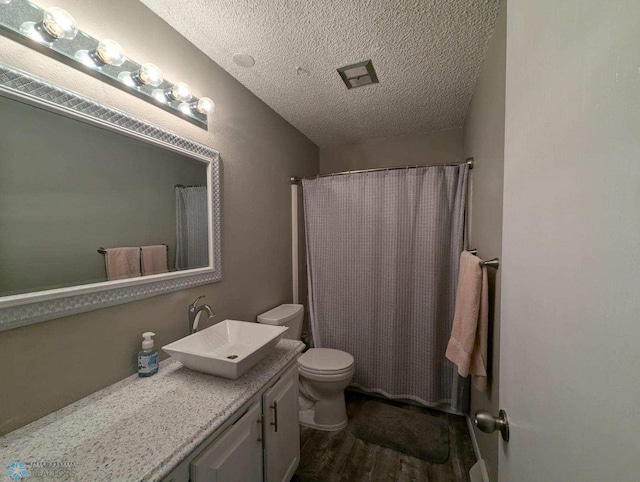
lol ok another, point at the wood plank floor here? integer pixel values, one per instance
(341, 457)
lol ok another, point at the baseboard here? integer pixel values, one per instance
(478, 472)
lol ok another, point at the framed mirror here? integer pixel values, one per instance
(97, 208)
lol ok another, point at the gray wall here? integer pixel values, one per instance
(85, 187)
(428, 148)
(484, 140)
(51, 364)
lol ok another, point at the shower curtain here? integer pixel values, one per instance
(192, 227)
(382, 251)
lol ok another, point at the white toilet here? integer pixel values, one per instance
(324, 374)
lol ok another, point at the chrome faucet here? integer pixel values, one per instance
(195, 311)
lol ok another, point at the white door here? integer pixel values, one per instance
(234, 457)
(570, 329)
(282, 429)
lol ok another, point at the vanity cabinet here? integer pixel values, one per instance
(282, 428)
(260, 442)
(236, 455)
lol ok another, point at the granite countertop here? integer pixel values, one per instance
(138, 428)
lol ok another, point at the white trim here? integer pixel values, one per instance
(47, 295)
(294, 242)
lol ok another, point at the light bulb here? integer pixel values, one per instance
(204, 105)
(108, 52)
(179, 91)
(58, 23)
(149, 74)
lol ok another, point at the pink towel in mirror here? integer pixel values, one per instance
(122, 263)
(154, 259)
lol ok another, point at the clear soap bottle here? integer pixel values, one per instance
(147, 357)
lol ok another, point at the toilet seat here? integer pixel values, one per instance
(307, 371)
(325, 360)
(326, 364)
(326, 376)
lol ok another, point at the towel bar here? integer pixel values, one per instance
(492, 263)
(191, 185)
(101, 250)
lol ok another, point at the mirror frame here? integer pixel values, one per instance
(28, 308)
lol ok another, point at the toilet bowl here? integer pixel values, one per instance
(324, 374)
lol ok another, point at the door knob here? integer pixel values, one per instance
(489, 424)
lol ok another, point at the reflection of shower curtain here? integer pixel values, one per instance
(383, 251)
(192, 227)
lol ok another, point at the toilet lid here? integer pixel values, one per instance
(325, 359)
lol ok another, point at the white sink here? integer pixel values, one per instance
(228, 349)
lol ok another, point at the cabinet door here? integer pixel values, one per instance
(235, 456)
(282, 429)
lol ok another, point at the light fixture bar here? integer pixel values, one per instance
(53, 32)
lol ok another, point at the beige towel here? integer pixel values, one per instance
(468, 344)
(122, 263)
(154, 259)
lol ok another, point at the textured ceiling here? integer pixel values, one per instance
(427, 55)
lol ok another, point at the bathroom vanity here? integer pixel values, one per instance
(260, 442)
(178, 425)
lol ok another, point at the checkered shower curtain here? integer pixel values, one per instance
(382, 252)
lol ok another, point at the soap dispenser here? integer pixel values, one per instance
(147, 357)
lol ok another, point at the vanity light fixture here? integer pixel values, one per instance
(56, 24)
(180, 92)
(57, 34)
(205, 105)
(161, 96)
(149, 74)
(108, 52)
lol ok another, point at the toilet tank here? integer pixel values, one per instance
(285, 315)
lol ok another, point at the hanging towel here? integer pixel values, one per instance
(468, 343)
(122, 263)
(154, 259)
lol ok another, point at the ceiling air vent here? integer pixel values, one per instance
(359, 74)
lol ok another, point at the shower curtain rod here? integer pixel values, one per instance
(296, 180)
